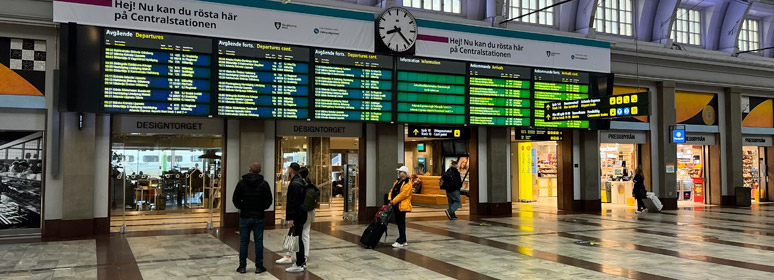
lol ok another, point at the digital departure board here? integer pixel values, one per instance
(261, 80)
(155, 73)
(431, 91)
(608, 107)
(558, 85)
(352, 86)
(500, 95)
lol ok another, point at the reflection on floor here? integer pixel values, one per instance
(536, 242)
(166, 221)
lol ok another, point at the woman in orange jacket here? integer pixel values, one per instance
(400, 195)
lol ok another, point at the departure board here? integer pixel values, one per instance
(352, 86)
(431, 91)
(500, 95)
(558, 85)
(155, 73)
(261, 80)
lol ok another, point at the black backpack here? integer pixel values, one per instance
(311, 197)
(447, 181)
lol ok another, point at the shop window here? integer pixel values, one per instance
(517, 8)
(749, 36)
(150, 159)
(15, 153)
(3, 154)
(615, 17)
(687, 28)
(129, 158)
(446, 6)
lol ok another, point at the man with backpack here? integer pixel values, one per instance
(252, 196)
(296, 215)
(311, 199)
(451, 181)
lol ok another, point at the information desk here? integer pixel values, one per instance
(431, 91)
(262, 80)
(499, 95)
(558, 85)
(352, 86)
(156, 73)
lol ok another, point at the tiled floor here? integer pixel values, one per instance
(536, 242)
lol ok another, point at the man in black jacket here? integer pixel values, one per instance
(453, 183)
(252, 196)
(296, 216)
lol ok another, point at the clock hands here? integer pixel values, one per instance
(396, 29)
(402, 36)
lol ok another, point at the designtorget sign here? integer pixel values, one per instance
(608, 107)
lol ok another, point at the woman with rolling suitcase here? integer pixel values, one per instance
(400, 199)
(639, 192)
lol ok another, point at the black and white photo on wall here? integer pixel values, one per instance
(21, 173)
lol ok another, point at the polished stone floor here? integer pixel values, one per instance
(535, 242)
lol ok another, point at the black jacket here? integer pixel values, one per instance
(456, 183)
(252, 196)
(639, 184)
(296, 194)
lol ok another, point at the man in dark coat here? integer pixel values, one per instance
(252, 196)
(296, 216)
(453, 183)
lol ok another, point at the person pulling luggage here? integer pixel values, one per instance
(400, 199)
(639, 192)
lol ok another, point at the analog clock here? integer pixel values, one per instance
(396, 28)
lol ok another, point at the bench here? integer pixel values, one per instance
(432, 193)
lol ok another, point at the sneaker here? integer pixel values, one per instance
(295, 268)
(398, 245)
(260, 269)
(304, 265)
(645, 210)
(285, 260)
(637, 212)
(241, 269)
(447, 214)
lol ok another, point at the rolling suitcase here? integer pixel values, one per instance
(372, 234)
(652, 202)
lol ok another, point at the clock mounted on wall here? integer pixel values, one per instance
(396, 31)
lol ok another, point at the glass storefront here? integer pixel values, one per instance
(691, 173)
(617, 165)
(160, 174)
(333, 165)
(427, 159)
(535, 175)
(754, 171)
(21, 169)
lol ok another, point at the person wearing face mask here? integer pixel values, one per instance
(400, 199)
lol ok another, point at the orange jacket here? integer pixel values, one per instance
(403, 199)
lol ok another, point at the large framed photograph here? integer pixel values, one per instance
(21, 174)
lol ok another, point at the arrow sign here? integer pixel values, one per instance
(608, 107)
(416, 131)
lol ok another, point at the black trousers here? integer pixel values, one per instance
(298, 230)
(640, 204)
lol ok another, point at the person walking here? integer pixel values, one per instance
(452, 184)
(400, 199)
(296, 216)
(639, 192)
(288, 258)
(252, 196)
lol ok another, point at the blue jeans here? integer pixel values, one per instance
(245, 226)
(454, 202)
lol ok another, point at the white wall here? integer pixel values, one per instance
(232, 163)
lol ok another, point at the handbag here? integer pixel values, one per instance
(291, 242)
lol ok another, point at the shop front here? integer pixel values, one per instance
(429, 153)
(534, 172)
(163, 168)
(620, 155)
(754, 167)
(697, 168)
(333, 154)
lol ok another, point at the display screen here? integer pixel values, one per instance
(558, 85)
(431, 91)
(261, 80)
(352, 86)
(156, 73)
(500, 95)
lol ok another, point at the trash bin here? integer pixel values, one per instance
(743, 198)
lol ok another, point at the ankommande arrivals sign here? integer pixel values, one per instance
(220, 20)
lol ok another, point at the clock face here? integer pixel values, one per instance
(397, 29)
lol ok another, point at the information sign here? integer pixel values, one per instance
(156, 73)
(557, 85)
(538, 135)
(608, 107)
(431, 91)
(352, 86)
(262, 80)
(438, 132)
(499, 95)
